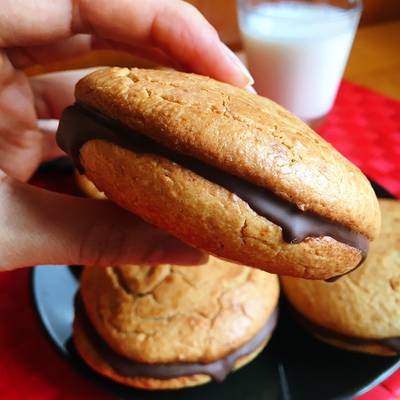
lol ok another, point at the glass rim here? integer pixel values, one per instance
(358, 6)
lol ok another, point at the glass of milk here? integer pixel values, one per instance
(297, 50)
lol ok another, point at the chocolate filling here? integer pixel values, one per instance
(80, 123)
(218, 370)
(392, 343)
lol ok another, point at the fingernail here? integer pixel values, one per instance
(47, 125)
(174, 251)
(232, 56)
(250, 89)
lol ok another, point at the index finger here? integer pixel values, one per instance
(174, 26)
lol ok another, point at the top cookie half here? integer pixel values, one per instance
(242, 134)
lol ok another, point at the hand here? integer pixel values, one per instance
(41, 227)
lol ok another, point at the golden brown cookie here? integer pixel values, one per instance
(222, 169)
(176, 326)
(360, 311)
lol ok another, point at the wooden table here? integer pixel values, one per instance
(375, 59)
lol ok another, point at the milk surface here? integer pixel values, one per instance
(297, 53)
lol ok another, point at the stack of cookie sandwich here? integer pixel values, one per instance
(226, 171)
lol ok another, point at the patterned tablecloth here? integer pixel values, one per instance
(364, 126)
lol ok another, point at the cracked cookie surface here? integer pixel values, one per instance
(244, 134)
(166, 313)
(206, 215)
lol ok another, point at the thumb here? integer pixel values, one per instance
(42, 227)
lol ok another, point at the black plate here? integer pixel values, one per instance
(293, 366)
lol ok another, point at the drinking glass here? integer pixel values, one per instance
(297, 50)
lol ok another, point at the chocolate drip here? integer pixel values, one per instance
(80, 123)
(392, 343)
(218, 370)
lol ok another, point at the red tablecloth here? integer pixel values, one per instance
(364, 126)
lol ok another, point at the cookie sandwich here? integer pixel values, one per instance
(222, 169)
(169, 327)
(361, 311)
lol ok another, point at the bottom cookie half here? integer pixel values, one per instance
(87, 345)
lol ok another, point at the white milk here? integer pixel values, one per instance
(297, 53)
